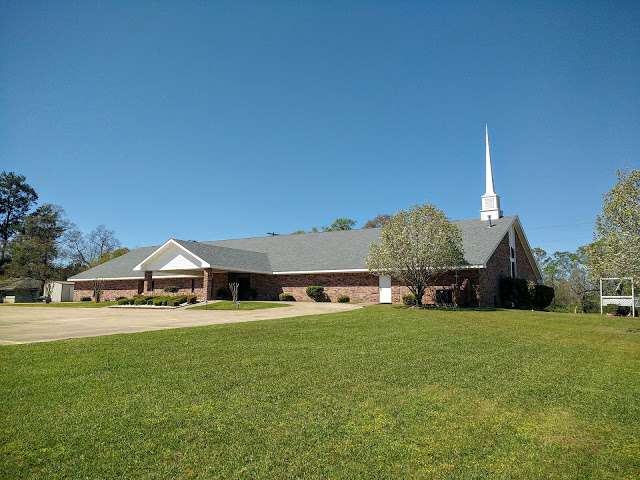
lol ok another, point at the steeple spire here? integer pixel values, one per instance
(490, 201)
(487, 160)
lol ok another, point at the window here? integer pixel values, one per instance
(193, 285)
(513, 269)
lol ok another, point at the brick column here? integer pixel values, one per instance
(148, 282)
(207, 284)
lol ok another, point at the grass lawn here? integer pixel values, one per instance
(378, 392)
(229, 305)
(60, 304)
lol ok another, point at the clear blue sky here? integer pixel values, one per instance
(206, 120)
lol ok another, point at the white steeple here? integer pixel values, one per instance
(490, 201)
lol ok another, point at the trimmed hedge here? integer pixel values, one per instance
(316, 293)
(85, 299)
(409, 299)
(286, 297)
(541, 296)
(343, 299)
(223, 293)
(521, 294)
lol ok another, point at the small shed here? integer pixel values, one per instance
(19, 290)
(59, 291)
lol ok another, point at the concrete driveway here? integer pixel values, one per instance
(42, 324)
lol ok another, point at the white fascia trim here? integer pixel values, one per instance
(171, 241)
(131, 278)
(302, 272)
(239, 270)
(359, 270)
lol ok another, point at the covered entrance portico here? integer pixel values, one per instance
(207, 269)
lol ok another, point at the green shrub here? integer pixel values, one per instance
(175, 301)
(223, 293)
(171, 289)
(316, 293)
(159, 301)
(286, 297)
(409, 299)
(617, 310)
(120, 298)
(541, 296)
(343, 299)
(123, 301)
(514, 293)
(140, 301)
(192, 299)
(85, 299)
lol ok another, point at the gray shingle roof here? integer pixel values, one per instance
(343, 250)
(240, 260)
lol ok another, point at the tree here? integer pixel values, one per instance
(37, 247)
(568, 274)
(340, 224)
(93, 248)
(118, 252)
(377, 221)
(97, 286)
(416, 246)
(615, 251)
(16, 199)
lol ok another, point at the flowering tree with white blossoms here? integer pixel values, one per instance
(415, 247)
(616, 247)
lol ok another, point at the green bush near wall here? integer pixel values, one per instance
(522, 294)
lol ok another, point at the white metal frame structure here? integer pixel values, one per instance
(620, 300)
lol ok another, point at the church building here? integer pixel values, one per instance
(495, 246)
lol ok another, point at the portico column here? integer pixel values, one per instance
(207, 283)
(148, 281)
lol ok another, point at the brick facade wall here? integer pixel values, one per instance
(498, 266)
(184, 285)
(360, 286)
(523, 264)
(112, 289)
(445, 281)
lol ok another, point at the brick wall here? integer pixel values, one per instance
(523, 264)
(360, 286)
(444, 281)
(498, 266)
(184, 285)
(112, 289)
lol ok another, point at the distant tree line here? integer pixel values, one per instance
(345, 223)
(39, 242)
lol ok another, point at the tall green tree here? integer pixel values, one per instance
(37, 248)
(16, 199)
(568, 274)
(615, 251)
(340, 224)
(415, 247)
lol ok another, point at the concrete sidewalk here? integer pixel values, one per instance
(42, 324)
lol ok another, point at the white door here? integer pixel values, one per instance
(385, 289)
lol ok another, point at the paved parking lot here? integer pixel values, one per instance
(41, 324)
